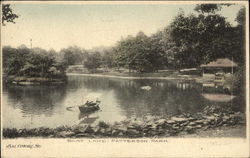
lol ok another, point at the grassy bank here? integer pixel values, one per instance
(159, 75)
(76, 69)
(210, 119)
(137, 74)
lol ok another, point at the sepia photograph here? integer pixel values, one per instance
(127, 72)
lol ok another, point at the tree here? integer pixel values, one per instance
(93, 61)
(161, 54)
(13, 60)
(239, 37)
(202, 38)
(7, 14)
(207, 8)
(72, 55)
(108, 59)
(121, 52)
(135, 53)
(139, 54)
(241, 17)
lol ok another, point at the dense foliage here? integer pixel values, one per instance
(36, 62)
(188, 42)
(73, 55)
(137, 53)
(92, 61)
(206, 37)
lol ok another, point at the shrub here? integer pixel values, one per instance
(236, 82)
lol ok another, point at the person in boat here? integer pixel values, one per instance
(90, 104)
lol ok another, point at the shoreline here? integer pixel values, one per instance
(180, 77)
(19, 80)
(206, 123)
(237, 131)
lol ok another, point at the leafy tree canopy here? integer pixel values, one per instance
(7, 14)
(26, 62)
(241, 17)
(207, 8)
(202, 38)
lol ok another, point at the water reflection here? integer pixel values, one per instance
(35, 100)
(220, 92)
(88, 118)
(120, 99)
(163, 99)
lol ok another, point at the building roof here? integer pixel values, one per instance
(220, 63)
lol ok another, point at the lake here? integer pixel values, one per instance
(36, 106)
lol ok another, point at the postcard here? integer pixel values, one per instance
(125, 79)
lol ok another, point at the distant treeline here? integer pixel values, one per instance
(189, 41)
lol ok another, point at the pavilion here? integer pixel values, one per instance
(216, 70)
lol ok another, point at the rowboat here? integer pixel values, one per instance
(89, 107)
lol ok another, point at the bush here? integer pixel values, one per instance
(236, 82)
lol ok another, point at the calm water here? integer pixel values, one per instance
(35, 106)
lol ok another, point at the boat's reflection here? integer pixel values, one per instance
(88, 118)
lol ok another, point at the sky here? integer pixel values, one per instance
(57, 26)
